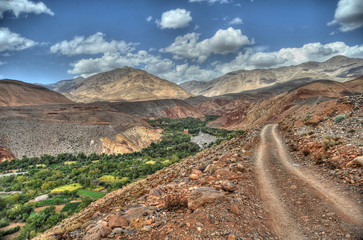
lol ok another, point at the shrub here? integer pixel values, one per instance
(339, 118)
(69, 188)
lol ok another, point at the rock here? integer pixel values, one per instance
(293, 187)
(202, 195)
(228, 186)
(197, 172)
(210, 168)
(193, 176)
(117, 221)
(41, 198)
(234, 209)
(149, 221)
(117, 231)
(105, 230)
(94, 231)
(135, 213)
(231, 237)
(357, 161)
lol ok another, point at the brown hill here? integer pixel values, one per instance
(338, 68)
(17, 93)
(121, 84)
(95, 127)
(276, 108)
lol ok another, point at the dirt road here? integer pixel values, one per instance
(300, 203)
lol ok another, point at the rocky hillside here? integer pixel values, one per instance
(338, 68)
(273, 109)
(121, 84)
(17, 93)
(98, 127)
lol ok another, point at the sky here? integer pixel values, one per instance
(178, 40)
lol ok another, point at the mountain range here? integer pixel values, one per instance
(338, 68)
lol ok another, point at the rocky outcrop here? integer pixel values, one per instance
(5, 154)
(132, 140)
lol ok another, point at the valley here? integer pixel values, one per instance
(126, 155)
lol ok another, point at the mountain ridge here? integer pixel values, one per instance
(338, 68)
(121, 84)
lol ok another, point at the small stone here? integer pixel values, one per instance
(197, 172)
(234, 209)
(149, 221)
(228, 186)
(199, 229)
(231, 237)
(293, 187)
(193, 176)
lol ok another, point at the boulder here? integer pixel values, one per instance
(228, 186)
(202, 195)
(41, 198)
(117, 221)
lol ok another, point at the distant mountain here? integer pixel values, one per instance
(338, 68)
(120, 84)
(17, 93)
(64, 85)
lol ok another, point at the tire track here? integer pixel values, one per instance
(299, 205)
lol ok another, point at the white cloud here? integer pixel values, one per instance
(223, 42)
(23, 6)
(93, 44)
(13, 41)
(290, 56)
(149, 18)
(140, 59)
(176, 18)
(2, 63)
(236, 21)
(211, 1)
(349, 15)
(184, 72)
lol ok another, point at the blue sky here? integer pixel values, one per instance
(179, 40)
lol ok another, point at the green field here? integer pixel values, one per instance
(70, 206)
(88, 193)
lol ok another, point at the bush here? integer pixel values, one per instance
(339, 118)
(70, 207)
(9, 231)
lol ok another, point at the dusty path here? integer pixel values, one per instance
(300, 204)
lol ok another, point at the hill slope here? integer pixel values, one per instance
(121, 84)
(17, 93)
(337, 68)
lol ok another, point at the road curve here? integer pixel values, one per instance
(299, 203)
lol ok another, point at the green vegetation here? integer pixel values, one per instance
(71, 207)
(91, 194)
(339, 118)
(70, 188)
(9, 231)
(66, 177)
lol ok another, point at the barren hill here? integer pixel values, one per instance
(257, 113)
(94, 127)
(121, 84)
(17, 93)
(338, 68)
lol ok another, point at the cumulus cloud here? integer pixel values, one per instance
(13, 41)
(236, 21)
(141, 59)
(2, 63)
(176, 18)
(184, 72)
(223, 42)
(211, 1)
(349, 15)
(93, 44)
(290, 56)
(23, 6)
